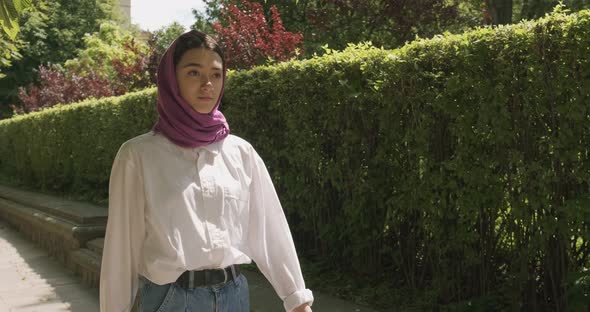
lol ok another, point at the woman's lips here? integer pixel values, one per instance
(205, 98)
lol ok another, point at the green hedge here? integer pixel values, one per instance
(70, 149)
(456, 167)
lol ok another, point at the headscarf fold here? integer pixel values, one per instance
(178, 121)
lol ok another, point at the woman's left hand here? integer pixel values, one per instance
(303, 308)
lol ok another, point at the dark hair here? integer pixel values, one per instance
(196, 39)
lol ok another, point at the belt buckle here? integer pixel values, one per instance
(224, 276)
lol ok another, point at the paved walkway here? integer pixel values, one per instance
(32, 281)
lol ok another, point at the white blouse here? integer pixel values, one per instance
(173, 209)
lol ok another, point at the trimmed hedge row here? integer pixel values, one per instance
(456, 166)
(70, 148)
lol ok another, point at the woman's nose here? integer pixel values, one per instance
(206, 83)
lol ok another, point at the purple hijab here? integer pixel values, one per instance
(178, 121)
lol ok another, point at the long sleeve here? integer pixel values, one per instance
(270, 241)
(124, 235)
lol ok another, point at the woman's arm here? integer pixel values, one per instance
(270, 242)
(124, 235)
(303, 308)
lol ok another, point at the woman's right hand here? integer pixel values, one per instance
(303, 308)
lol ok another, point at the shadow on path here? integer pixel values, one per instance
(33, 281)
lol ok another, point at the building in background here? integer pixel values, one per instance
(125, 10)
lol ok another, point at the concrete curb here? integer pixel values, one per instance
(61, 227)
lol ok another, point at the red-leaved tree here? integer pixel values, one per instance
(136, 75)
(249, 39)
(57, 86)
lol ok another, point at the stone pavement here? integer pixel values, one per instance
(32, 281)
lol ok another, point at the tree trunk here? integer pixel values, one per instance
(499, 11)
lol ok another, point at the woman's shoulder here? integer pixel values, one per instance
(235, 145)
(142, 139)
(140, 143)
(233, 140)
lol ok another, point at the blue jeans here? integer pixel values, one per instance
(232, 296)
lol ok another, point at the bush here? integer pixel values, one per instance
(455, 168)
(249, 40)
(111, 63)
(58, 86)
(69, 149)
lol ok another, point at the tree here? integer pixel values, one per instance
(387, 23)
(158, 42)
(390, 23)
(532, 9)
(112, 62)
(164, 36)
(9, 12)
(103, 49)
(249, 40)
(8, 52)
(499, 11)
(57, 86)
(50, 32)
(204, 20)
(9, 45)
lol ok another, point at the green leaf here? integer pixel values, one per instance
(9, 12)
(20, 5)
(10, 27)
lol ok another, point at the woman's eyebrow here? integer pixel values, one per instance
(199, 65)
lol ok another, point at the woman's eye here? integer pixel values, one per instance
(217, 75)
(193, 73)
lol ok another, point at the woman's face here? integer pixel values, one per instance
(199, 74)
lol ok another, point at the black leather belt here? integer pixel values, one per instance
(193, 279)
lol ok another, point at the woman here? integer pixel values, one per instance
(189, 203)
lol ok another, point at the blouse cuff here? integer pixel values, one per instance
(298, 298)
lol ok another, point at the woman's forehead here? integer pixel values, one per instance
(200, 56)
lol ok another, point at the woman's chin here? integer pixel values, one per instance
(203, 109)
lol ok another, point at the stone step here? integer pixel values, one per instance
(60, 226)
(74, 211)
(57, 235)
(86, 263)
(96, 245)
